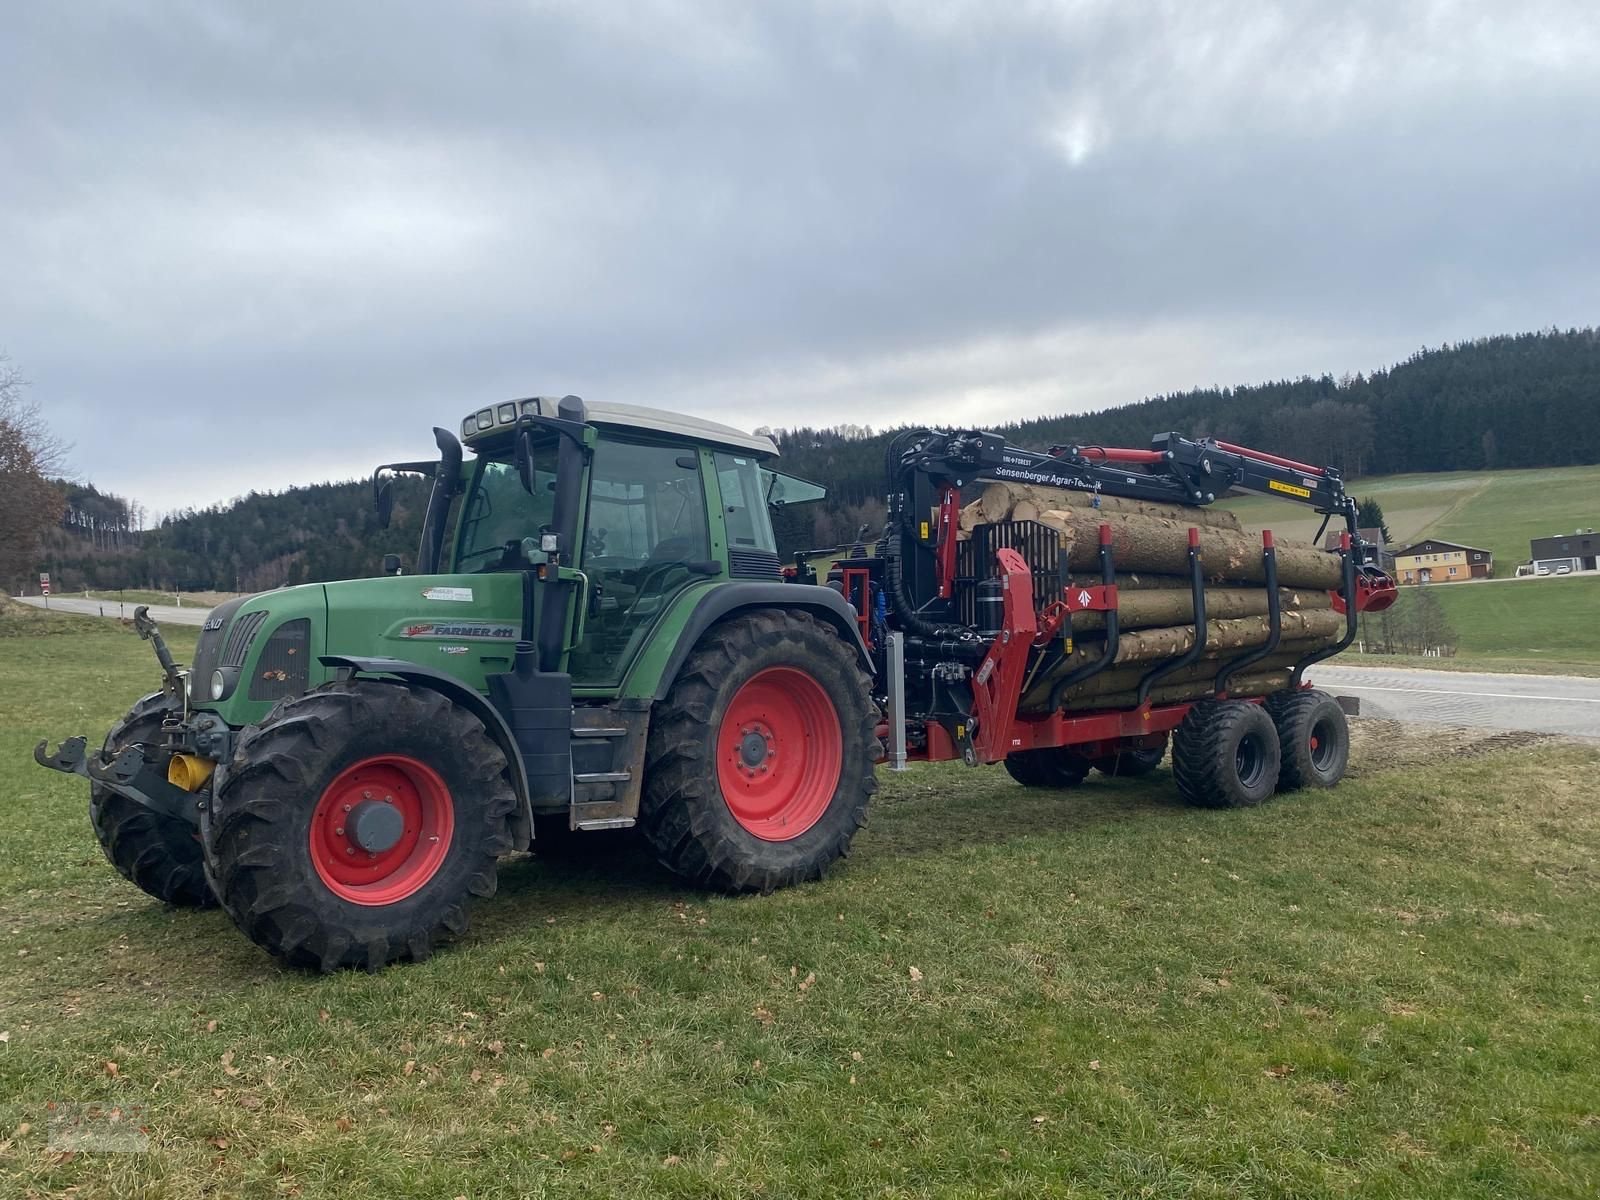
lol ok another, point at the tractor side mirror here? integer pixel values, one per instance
(392, 565)
(524, 458)
(383, 501)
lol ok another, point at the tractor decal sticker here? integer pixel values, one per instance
(1289, 489)
(464, 595)
(434, 629)
(452, 649)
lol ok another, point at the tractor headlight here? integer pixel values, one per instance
(219, 685)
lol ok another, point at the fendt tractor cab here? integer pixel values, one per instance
(599, 634)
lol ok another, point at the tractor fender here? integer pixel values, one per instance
(730, 599)
(469, 699)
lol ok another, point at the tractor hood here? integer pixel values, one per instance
(260, 649)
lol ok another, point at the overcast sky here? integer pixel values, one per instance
(247, 245)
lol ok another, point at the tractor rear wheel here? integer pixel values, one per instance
(1053, 767)
(1130, 764)
(1225, 754)
(758, 768)
(1313, 739)
(158, 854)
(356, 822)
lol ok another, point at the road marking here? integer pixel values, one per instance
(1370, 687)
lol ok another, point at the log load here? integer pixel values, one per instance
(1151, 537)
(1150, 544)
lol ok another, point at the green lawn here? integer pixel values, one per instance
(1388, 990)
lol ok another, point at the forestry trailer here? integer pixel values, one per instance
(599, 633)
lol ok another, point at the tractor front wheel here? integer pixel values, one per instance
(356, 822)
(758, 768)
(158, 854)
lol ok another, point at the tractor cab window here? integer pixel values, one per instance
(645, 539)
(499, 514)
(744, 503)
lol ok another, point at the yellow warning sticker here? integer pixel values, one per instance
(925, 527)
(1289, 489)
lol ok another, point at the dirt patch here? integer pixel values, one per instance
(1379, 745)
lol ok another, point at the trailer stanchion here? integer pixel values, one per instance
(1352, 614)
(1269, 567)
(1108, 655)
(1197, 587)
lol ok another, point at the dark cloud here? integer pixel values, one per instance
(267, 243)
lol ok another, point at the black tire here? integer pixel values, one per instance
(159, 855)
(1313, 739)
(1054, 767)
(258, 833)
(683, 812)
(1225, 755)
(1131, 764)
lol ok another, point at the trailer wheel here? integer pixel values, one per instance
(1225, 755)
(1130, 764)
(355, 824)
(1313, 739)
(1054, 767)
(159, 855)
(758, 768)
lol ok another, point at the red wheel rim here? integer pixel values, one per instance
(779, 752)
(411, 791)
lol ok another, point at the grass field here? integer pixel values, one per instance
(1537, 625)
(1496, 510)
(1384, 991)
(1534, 625)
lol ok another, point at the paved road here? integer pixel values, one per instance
(166, 614)
(1565, 704)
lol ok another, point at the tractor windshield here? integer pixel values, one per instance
(499, 513)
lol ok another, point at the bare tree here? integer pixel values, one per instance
(29, 503)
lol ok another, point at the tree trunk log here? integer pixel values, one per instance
(1243, 687)
(1000, 500)
(1117, 680)
(1152, 609)
(1151, 544)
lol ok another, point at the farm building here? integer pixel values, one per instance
(1434, 561)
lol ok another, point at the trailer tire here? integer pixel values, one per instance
(759, 763)
(160, 855)
(1313, 739)
(1225, 755)
(1131, 764)
(359, 754)
(1052, 767)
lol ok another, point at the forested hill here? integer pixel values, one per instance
(1531, 400)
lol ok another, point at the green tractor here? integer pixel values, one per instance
(597, 635)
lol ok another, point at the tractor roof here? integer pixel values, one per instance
(490, 423)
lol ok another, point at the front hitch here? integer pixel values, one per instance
(130, 773)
